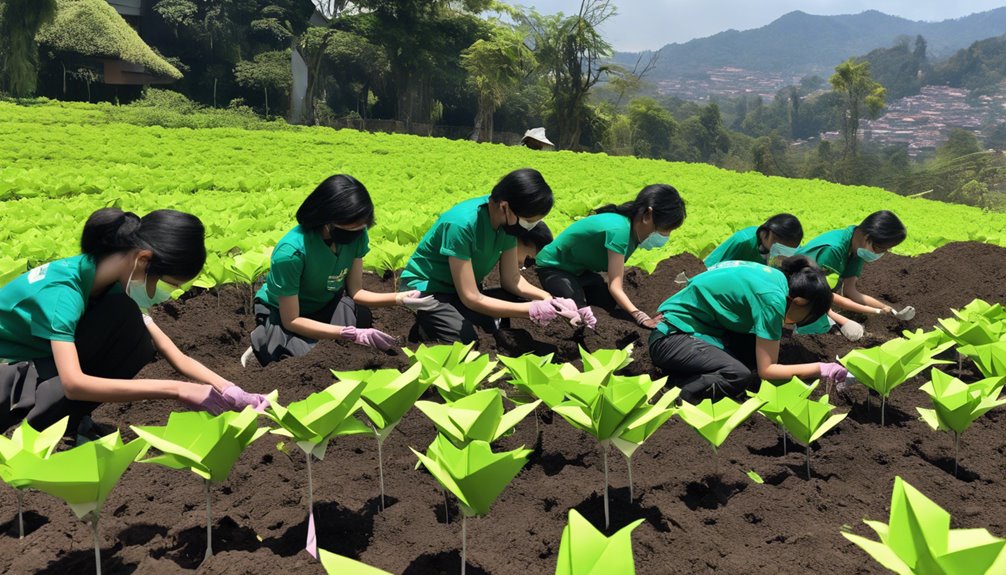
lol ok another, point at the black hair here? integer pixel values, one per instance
(806, 280)
(786, 227)
(340, 199)
(668, 207)
(177, 239)
(883, 229)
(526, 191)
(538, 236)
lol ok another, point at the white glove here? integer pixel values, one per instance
(852, 331)
(906, 313)
(411, 300)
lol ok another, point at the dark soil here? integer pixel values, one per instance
(696, 520)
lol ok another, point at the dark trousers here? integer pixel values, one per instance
(112, 342)
(588, 288)
(272, 342)
(452, 321)
(703, 370)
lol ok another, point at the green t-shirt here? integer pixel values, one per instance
(738, 297)
(44, 305)
(464, 232)
(302, 265)
(584, 245)
(831, 252)
(742, 246)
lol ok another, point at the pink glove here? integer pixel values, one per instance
(369, 336)
(833, 372)
(411, 300)
(544, 311)
(239, 399)
(204, 398)
(587, 315)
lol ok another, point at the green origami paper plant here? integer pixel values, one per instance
(989, 358)
(956, 405)
(386, 398)
(885, 367)
(339, 565)
(204, 444)
(778, 397)
(436, 358)
(918, 540)
(536, 376)
(473, 474)
(479, 416)
(26, 440)
(715, 420)
(315, 420)
(462, 380)
(645, 421)
(584, 550)
(610, 360)
(981, 308)
(82, 476)
(808, 420)
(978, 330)
(605, 406)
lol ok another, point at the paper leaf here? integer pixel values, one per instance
(715, 421)
(339, 565)
(583, 550)
(388, 394)
(322, 415)
(25, 438)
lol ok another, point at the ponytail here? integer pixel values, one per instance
(883, 229)
(109, 231)
(668, 207)
(785, 227)
(807, 281)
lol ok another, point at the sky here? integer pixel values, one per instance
(650, 24)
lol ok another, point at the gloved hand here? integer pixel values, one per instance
(543, 311)
(369, 336)
(411, 300)
(833, 372)
(239, 399)
(203, 398)
(587, 315)
(906, 313)
(852, 330)
(643, 319)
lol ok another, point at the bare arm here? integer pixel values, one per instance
(354, 287)
(866, 304)
(513, 281)
(289, 313)
(767, 357)
(468, 291)
(616, 281)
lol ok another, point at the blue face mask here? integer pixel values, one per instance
(867, 256)
(780, 251)
(653, 241)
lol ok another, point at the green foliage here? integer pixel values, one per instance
(20, 21)
(94, 28)
(315, 420)
(583, 550)
(478, 416)
(863, 97)
(268, 71)
(918, 539)
(715, 420)
(456, 370)
(956, 405)
(808, 420)
(777, 398)
(989, 358)
(387, 396)
(535, 377)
(26, 439)
(495, 66)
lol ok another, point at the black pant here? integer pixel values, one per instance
(272, 342)
(588, 288)
(703, 370)
(452, 321)
(112, 342)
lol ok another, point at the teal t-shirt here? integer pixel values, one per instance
(464, 232)
(738, 297)
(302, 265)
(584, 245)
(742, 246)
(831, 252)
(44, 305)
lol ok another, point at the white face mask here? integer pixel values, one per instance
(137, 290)
(526, 224)
(653, 241)
(780, 251)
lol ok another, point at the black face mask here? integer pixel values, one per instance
(342, 237)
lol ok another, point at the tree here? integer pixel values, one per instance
(20, 22)
(495, 67)
(861, 95)
(653, 128)
(572, 53)
(267, 71)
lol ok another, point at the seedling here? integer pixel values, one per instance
(715, 421)
(388, 395)
(989, 358)
(647, 420)
(478, 416)
(981, 308)
(26, 440)
(204, 444)
(435, 359)
(584, 550)
(474, 474)
(462, 380)
(247, 268)
(808, 420)
(313, 422)
(339, 565)
(82, 476)
(533, 376)
(887, 366)
(778, 397)
(918, 539)
(978, 330)
(604, 406)
(610, 360)
(956, 405)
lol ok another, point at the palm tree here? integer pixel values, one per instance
(852, 79)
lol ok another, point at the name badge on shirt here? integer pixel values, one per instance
(335, 281)
(38, 273)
